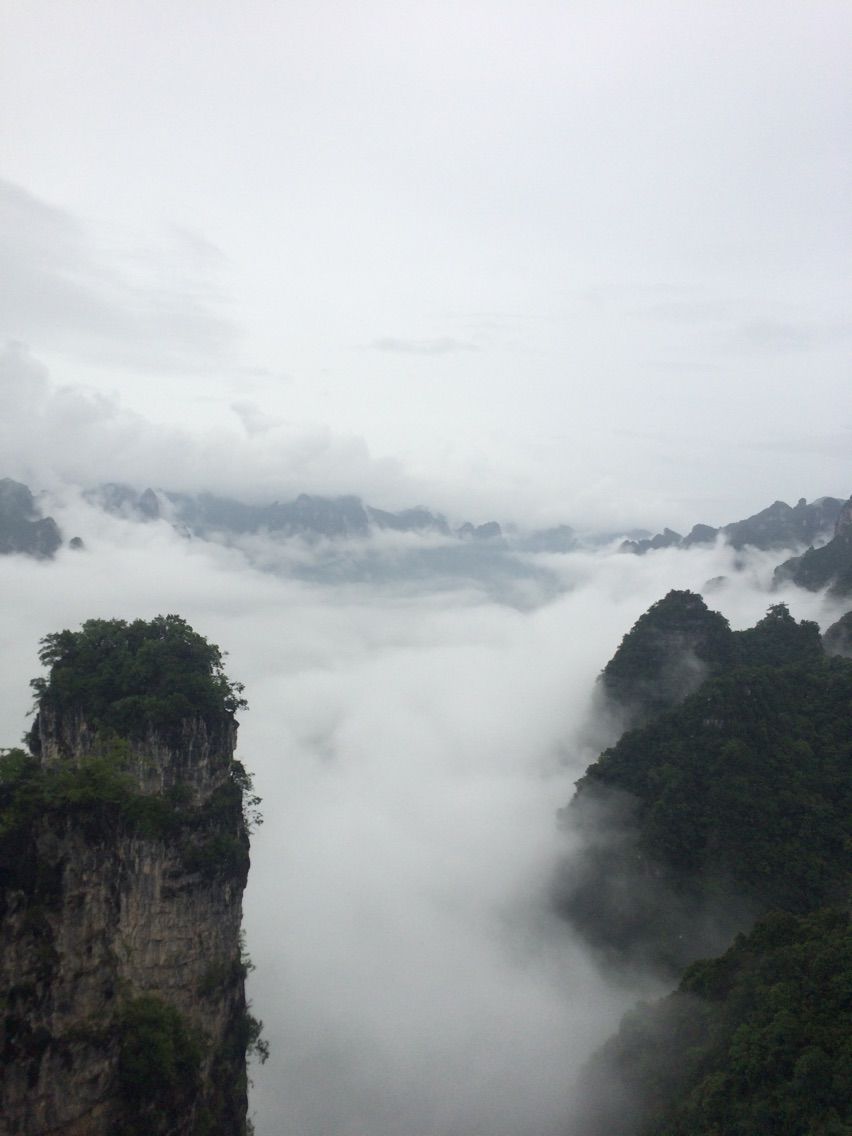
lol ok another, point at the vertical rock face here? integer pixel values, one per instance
(120, 955)
(197, 755)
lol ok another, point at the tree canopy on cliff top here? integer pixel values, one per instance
(128, 676)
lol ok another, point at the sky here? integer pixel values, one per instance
(551, 261)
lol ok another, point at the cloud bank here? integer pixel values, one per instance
(412, 747)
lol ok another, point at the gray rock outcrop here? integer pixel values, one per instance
(121, 911)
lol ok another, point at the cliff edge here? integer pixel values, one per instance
(123, 860)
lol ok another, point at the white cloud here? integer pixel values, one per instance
(412, 748)
(440, 345)
(148, 310)
(52, 433)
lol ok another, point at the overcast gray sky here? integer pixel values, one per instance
(562, 260)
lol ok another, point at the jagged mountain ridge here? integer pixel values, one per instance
(344, 516)
(348, 516)
(336, 520)
(778, 526)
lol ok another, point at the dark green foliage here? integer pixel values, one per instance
(749, 780)
(251, 1036)
(758, 1041)
(158, 1065)
(101, 799)
(133, 677)
(735, 802)
(837, 639)
(778, 639)
(666, 655)
(679, 642)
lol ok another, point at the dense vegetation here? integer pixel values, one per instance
(160, 1059)
(758, 1041)
(665, 656)
(100, 798)
(679, 642)
(129, 678)
(158, 1066)
(735, 801)
(747, 782)
(837, 639)
(731, 804)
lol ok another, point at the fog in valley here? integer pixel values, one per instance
(546, 264)
(412, 742)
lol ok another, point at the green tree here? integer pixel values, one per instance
(128, 677)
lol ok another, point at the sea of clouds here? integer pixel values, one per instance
(412, 740)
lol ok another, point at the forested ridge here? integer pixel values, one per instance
(724, 820)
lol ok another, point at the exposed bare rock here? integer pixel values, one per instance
(119, 908)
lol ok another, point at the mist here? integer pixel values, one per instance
(545, 264)
(412, 741)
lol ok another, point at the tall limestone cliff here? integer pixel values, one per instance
(123, 859)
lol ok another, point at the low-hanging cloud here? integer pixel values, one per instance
(412, 747)
(52, 433)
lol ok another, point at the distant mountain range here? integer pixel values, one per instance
(307, 516)
(778, 526)
(823, 525)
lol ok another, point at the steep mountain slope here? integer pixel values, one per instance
(829, 566)
(758, 1041)
(730, 806)
(735, 801)
(123, 859)
(666, 655)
